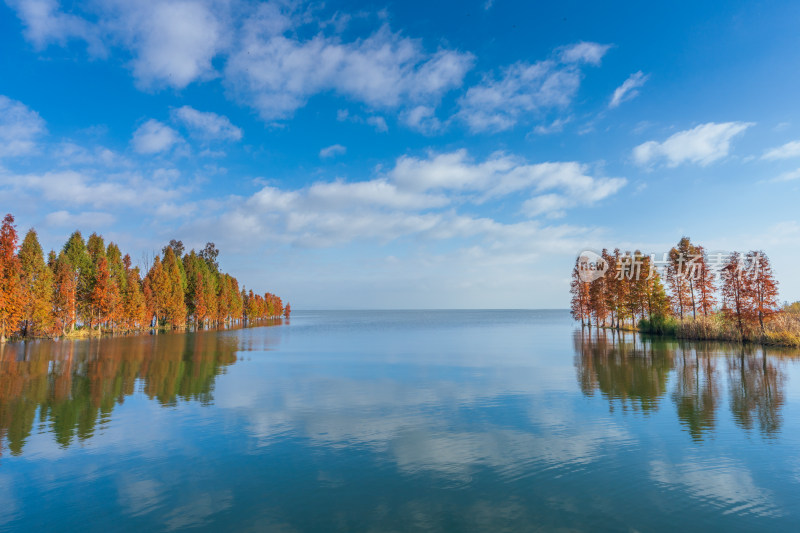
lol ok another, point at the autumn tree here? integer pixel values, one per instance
(11, 300)
(599, 300)
(36, 286)
(63, 294)
(244, 297)
(105, 297)
(736, 291)
(635, 277)
(229, 300)
(96, 250)
(273, 306)
(175, 306)
(209, 254)
(156, 290)
(93, 285)
(177, 248)
(133, 300)
(164, 287)
(615, 287)
(679, 282)
(658, 303)
(763, 286)
(116, 266)
(201, 293)
(223, 298)
(251, 305)
(579, 305)
(288, 311)
(704, 283)
(78, 259)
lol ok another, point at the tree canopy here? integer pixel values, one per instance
(91, 285)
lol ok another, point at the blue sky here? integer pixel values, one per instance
(402, 155)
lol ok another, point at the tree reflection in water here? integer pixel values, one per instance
(756, 386)
(635, 372)
(71, 387)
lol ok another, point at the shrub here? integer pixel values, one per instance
(659, 325)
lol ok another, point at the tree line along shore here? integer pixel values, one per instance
(685, 296)
(90, 288)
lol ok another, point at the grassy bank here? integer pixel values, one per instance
(781, 329)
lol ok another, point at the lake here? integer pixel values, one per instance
(399, 421)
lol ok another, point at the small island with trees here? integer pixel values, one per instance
(688, 294)
(90, 288)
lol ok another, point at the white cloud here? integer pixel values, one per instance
(379, 123)
(787, 176)
(552, 205)
(720, 481)
(344, 196)
(77, 189)
(172, 43)
(45, 23)
(374, 193)
(86, 219)
(69, 153)
(501, 175)
(276, 73)
(584, 52)
(376, 121)
(628, 90)
(422, 118)
(332, 151)
(20, 127)
(153, 137)
(393, 416)
(451, 171)
(198, 509)
(139, 496)
(522, 89)
(207, 125)
(554, 127)
(701, 145)
(266, 64)
(786, 151)
(417, 197)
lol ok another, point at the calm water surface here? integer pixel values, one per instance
(399, 421)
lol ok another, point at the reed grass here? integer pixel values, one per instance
(780, 329)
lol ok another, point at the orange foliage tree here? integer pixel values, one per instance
(11, 299)
(736, 291)
(93, 286)
(763, 286)
(704, 284)
(579, 304)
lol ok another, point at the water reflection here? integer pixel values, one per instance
(626, 372)
(71, 387)
(756, 386)
(636, 373)
(392, 422)
(697, 391)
